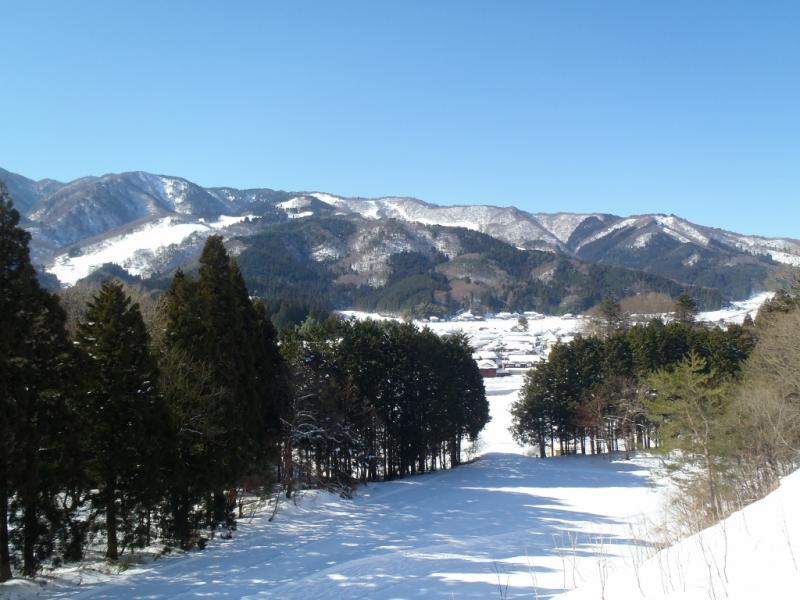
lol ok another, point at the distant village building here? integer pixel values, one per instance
(521, 361)
(488, 368)
(467, 316)
(486, 355)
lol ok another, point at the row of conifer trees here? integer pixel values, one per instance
(726, 398)
(591, 394)
(127, 436)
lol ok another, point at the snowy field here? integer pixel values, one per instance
(505, 526)
(506, 522)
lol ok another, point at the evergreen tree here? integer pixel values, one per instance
(35, 368)
(196, 428)
(45, 439)
(17, 288)
(124, 415)
(688, 404)
(612, 318)
(685, 309)
(212, 326)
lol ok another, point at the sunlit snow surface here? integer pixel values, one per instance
(753, 554)
(535, 524)
(133, 251)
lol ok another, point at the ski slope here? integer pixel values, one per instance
(523, 524)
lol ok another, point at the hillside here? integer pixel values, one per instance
(751, 554)
(398, 254)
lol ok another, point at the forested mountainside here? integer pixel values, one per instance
(394, 254)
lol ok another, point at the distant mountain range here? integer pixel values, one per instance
(395, 253)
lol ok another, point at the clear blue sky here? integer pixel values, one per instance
(687, 107)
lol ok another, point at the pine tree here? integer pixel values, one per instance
(688, 404)
(124, 414)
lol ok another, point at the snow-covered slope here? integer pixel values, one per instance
(561, 231)
(137, 251)
(755, 553)
(509, 224)
(505, 524)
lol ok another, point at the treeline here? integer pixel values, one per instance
(727, 398)
(588, 396)
(380, 400)
(121, 432)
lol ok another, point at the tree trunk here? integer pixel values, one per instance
(5, 556)
(542, 445)
(712, 487)
(112, 545)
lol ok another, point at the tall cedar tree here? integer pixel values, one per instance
(35, 360)
(229, 415)
(124, 415)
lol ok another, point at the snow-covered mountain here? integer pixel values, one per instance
(571, 233)
(148, 223)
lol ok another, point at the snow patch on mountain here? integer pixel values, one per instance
(681, 230)
(642, 240)
(400, 209)
(562, 225)
(785, 258)
(782, 250)
(329, 199)
(295, 203)
(324, 253)
(692, 260)
(622, 224)
(175, 191)
(136, 250)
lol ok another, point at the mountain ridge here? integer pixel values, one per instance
(148, 224)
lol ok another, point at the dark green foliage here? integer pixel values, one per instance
(380, 400)
(407, 264)
(685, 309)
(283, 312)
(123, 415)
(36, 426)
(591, 389)
(222, 389)
(278, 264)
(516, 262)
